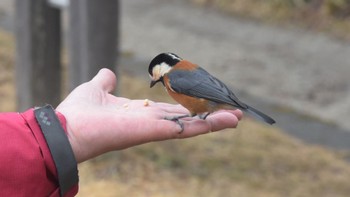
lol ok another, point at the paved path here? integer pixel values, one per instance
(307, 71)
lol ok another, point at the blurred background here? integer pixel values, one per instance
(289, 58)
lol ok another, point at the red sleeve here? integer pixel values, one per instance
(26, 167)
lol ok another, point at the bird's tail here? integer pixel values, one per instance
(259, 115)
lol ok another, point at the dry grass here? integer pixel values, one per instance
(323, 15)
(252, 160)
(7, 87)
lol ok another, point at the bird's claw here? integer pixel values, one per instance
(177, 121)
(203, 116)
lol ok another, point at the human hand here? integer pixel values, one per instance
(98, 122)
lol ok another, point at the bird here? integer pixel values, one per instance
(196, 89)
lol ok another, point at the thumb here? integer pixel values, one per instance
(105, 79)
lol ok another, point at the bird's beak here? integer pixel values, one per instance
(153, 83)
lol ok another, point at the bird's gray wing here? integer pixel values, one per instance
(199, 83)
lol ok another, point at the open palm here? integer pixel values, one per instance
(98, 122)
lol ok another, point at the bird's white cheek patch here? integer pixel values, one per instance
(156, 72)
(163, 68)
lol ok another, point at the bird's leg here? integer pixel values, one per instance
(204, 116)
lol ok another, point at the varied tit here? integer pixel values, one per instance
(196, 89)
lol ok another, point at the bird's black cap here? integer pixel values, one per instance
(169, 58)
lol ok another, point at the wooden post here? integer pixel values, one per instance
(93, 38)
(38, 71)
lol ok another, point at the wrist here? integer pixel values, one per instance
(69, 133)
(67, 121)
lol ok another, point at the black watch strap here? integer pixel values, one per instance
(59, 146)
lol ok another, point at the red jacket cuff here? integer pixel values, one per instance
(29, 117)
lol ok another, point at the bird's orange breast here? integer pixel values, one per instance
(194, 105)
